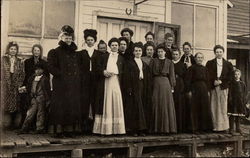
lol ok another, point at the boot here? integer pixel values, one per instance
(238, 130)
(231, 124)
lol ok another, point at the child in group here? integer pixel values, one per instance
(237, 101)
(38, 89)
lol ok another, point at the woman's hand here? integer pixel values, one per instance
(188, 64)
(189, 94)
(107, 74)
(22, 89)
(217, 82)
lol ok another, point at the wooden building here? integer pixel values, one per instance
(203, 23)
(238, 45)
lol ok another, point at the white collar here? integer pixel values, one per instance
(219, 60)
(37, 78)
(90, 50)
(137, 59)
(113, 53)
(176, 61)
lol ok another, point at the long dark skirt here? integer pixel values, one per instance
(180, 106)
(201, 118)
(163, 119)
(134, 113)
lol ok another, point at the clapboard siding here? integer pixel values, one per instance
(154, 9)
(238, 17)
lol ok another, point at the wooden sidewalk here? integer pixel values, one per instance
(13, 144)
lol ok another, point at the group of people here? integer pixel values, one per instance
(132, 89)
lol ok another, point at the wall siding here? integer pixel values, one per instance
(238, 17)
(155, 10)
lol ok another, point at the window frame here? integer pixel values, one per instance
(194, 4)
(42, 35)
(171, 26)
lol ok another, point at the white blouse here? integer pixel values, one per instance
(111, 65)
(12, 64)
(90, 51)
(139, 64)
(219, 66)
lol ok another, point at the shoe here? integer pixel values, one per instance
(239, 131)
(39, 131)
(142, 134)
(58, 135)
(135, 135)
(69, 135)
(22, 131)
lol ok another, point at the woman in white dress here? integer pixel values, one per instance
(109, 118)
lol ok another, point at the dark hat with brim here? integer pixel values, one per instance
(67, 30)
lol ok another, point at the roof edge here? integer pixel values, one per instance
(230, 4)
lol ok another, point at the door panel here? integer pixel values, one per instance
(140, 29)
(108, 28)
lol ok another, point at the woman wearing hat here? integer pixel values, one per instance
(64, 63)
(89, 59)
(13, 76)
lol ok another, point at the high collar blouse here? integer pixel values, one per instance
(90, 50)
(111, 65)
(138, 61)
(219, 63)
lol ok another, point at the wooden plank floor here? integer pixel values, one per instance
(25, 143)
(11, 140)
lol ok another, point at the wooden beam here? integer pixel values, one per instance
(192, 150)
(238, 148)
(132, 150)
(76, 153)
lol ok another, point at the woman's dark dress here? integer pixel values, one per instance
(89, 83)
(64, 63)
(179, 97)
(197, 84)
(237, 98)
(136, 97)
(163, 110)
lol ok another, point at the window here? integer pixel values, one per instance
(25, 18)
(55, 16)
(198, 24)
(205, 31)
(28, 19)
(183, 14)
(162, 28)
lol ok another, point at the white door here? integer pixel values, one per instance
(140, 29)
(108, 28)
